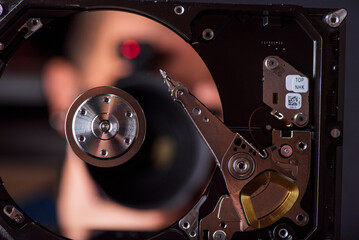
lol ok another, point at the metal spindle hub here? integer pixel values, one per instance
(105, 126)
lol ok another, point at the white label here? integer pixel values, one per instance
(296, 83)
(293, 101)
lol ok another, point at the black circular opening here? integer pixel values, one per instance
(237, 142)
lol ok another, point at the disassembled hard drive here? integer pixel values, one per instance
(275, 151)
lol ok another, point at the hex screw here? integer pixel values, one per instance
(301, 218)
(35, 21)
(82, 138)
(271, 63)
(302, 146)
(283, 233)
(335, 133)
(179, 10)
(127, 140)
(334, 19)
(83, 112)
(219, 235)
(103, 153)
(106, 99)
(207, 34)
(300, 119)
(129, 114)
(186, 225)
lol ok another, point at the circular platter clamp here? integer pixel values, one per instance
(105, 126)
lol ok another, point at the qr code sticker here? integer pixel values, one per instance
(293, 101)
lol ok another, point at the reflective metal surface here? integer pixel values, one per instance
(105, 126)
(334, 19)
(189, 223)
(286, 91)
(241, 166)
(246, 170)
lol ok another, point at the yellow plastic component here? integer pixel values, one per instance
(289, 199)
